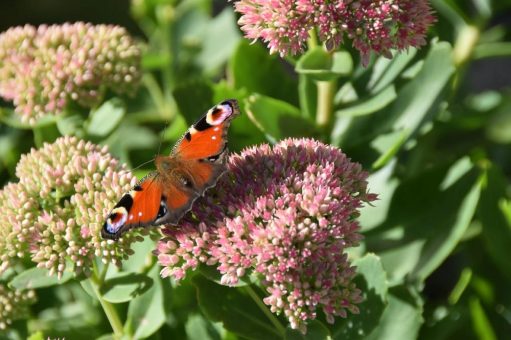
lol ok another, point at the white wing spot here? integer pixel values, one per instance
(131, 216)
(215, 129)
(213, 137)
(140, 214)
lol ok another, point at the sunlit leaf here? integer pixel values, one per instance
(38, 278)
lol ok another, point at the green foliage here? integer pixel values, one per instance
(433, 135)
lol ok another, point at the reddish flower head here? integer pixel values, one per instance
(377, 26)
(286, 213)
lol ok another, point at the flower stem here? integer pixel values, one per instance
(281, 329)
(108, 308)
(326, 91)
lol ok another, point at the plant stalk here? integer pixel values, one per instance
(108, 308)
(326, 92)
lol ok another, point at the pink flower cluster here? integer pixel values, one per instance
(377, 26)
(285, 213)
(43, 69)
(54, 214)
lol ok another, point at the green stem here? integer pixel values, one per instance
(324, 110)
(313, 39)
(281, 329)
(156, 94)
(465, 43)
(108, 308)
(326, 91)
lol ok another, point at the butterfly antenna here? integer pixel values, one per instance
(141, 165)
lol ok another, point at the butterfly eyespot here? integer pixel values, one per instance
(114, 216)
(163, 208)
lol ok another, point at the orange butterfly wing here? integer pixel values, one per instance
(208, 136)
(137, 208)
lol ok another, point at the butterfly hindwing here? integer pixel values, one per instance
(137, 208)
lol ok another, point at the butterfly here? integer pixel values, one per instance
(194, 165)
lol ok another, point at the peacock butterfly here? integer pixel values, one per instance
(194, 165)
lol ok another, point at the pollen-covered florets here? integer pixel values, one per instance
(55, 212)
(43, 69)
(286, 213)
(377, 26)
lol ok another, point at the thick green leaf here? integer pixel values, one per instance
(417, 103)
(401, 319)
(106, 118)
(417, 98)
(38, 278)
(128, 137)
(480, 321)
(385, 70)
(277, 119)
(155, 60)
(496, 49)
(142, 256)
(146, 313)
(236, 310)
(46, 133)
(125, 286)
(315, 331)
(88, 288)
(414, 241)
(370, 267)
(496, 231)
(372, 281)
(498, 128)
(193, 99)
(322, 65)
(175, 130)
(199, 328)
(308, 95)
(220, 38)
(71, 124)
(384, 184)
(12, 119)
(388, 145)
(254, 69)
(109, 336)
(36, 336)
(369, 105)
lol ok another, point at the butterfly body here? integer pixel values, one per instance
(194, 165)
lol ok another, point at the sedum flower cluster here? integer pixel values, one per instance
(378, 26)
(286, 214)
(43, 69)
(14, 304)
(54, 214)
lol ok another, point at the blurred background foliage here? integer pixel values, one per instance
(433, 127)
